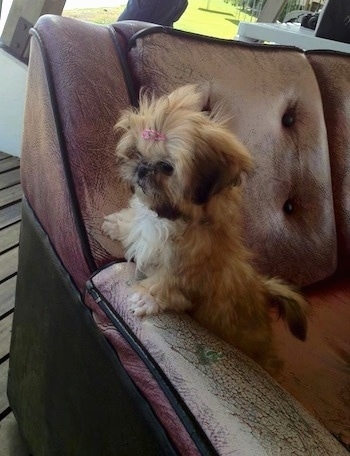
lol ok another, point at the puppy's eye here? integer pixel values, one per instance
(165, 168)
(134, 153)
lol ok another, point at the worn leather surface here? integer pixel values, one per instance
(84, 79)
(238, 405)
(333, 73)
(145, 381)
(42, 175)
(258, 86)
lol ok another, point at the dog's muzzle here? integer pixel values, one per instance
(144, 174)
(143, 170)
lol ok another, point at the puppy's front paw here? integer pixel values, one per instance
(110, 226)
(143, 304)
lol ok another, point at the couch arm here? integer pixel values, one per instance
(75, 91)
(239, 408)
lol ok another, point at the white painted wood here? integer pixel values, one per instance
(289, 35)
(13, 79)
(11, 442)
(29, 10)
(271, 10)
(6, 5)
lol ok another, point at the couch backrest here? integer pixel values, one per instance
(82, 75)
(272, 97)
(333, 74)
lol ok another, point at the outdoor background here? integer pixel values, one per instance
(217, 18)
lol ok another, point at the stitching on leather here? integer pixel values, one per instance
(209, 39)
(79, 223)
(125, 66)
(190, 423)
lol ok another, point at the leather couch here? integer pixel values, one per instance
(87, 377)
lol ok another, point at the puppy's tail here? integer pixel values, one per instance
(291, 306)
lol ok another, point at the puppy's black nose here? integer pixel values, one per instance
(142, 170)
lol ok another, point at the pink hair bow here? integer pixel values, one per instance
(148, 133)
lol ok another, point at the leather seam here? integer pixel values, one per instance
(209, 39)
(188, 420)
(133, 97)
(77, 215)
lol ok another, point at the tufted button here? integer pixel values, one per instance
(288, 207)
(288, 119)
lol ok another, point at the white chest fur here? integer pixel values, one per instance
(149, 238)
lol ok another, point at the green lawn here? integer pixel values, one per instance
(212, 18)
(206, 17)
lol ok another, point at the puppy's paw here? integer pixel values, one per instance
(143, 304)
(110, 226)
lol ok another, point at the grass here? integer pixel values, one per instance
(206, 17)
(212, 18)
(96, 15)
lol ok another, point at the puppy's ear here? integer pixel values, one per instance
(123, 123)
(127, 129)
(190, 96)
(220, 161)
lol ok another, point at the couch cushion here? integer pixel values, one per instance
(239, 407)
(333, 73)
(317, 372)
(272, 99)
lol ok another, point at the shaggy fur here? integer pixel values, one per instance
(183, 225)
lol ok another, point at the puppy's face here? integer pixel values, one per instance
(176, 157)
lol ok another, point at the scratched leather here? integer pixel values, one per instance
(90, 91)
(241, 409)
(333, 74)
(257, 86)
(42, 176)
(146, 383)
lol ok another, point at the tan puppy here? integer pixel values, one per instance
(183, 225)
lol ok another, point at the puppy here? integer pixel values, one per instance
(182, 227)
